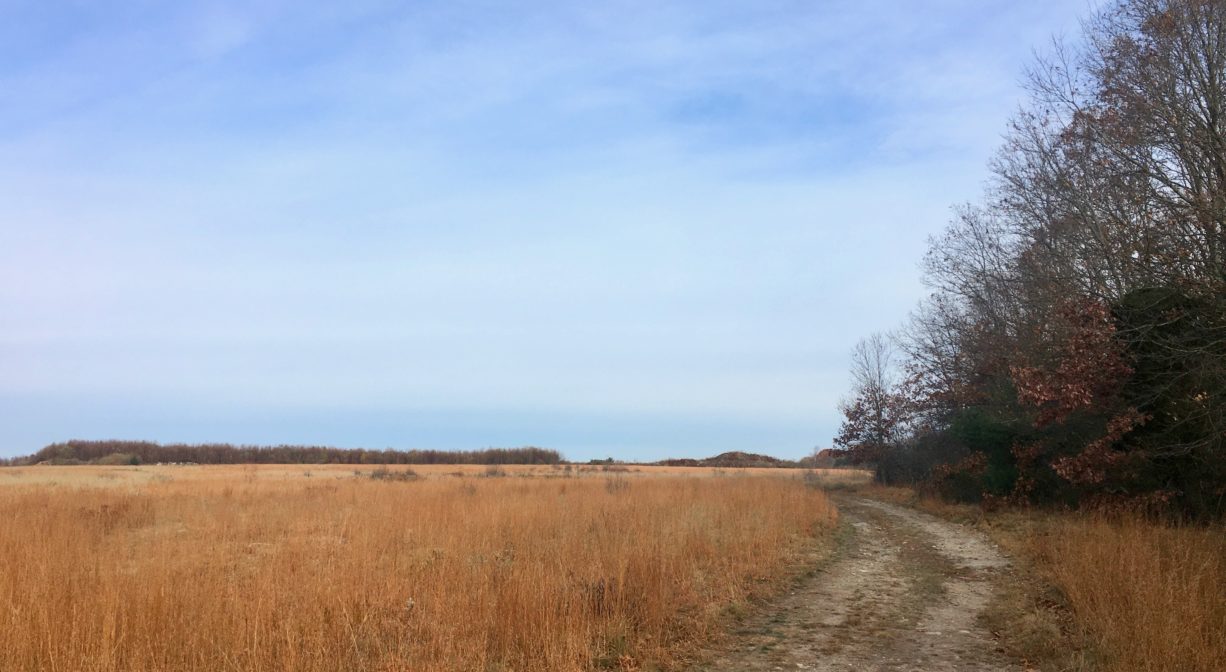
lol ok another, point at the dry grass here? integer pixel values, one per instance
(1120, 595)
(1151, 598)
(92, 476)
(308, 568)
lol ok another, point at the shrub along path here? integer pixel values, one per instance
(904, 593)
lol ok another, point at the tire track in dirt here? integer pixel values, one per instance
(904, 592)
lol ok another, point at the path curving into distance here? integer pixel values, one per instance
(904, 593)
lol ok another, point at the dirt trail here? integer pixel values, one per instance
(904, 593)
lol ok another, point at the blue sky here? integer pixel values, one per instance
(637, 229)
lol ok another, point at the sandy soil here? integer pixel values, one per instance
(905, 593)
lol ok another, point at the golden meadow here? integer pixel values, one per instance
(442, 568)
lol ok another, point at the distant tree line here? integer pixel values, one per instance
(146, 452)
(1073, 347)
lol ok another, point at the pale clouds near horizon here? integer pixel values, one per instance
(645, 229)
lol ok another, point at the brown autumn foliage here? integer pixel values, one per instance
(1086, 367)
(874, 416)
(1075, 338)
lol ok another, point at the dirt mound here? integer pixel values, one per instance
(730, 460)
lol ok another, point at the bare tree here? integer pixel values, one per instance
(874, 415)
(1081, 307)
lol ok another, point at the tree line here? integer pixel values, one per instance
(1072, 349)
(147, 452)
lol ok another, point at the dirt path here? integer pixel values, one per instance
(903, 593)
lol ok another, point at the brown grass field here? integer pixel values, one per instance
(1131, 595)
(321, 568)
(1149, 597)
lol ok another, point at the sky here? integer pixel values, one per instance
(628, 229)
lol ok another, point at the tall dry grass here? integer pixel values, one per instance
(1113, 594)
(441, 573)
(1151, 598)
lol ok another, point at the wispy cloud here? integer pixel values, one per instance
(478, 210)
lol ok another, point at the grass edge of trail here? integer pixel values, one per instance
(1028, 614)
(1095, 593)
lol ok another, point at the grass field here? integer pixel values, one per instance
(328, 568)
(1103, 593)
(1149, 597)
